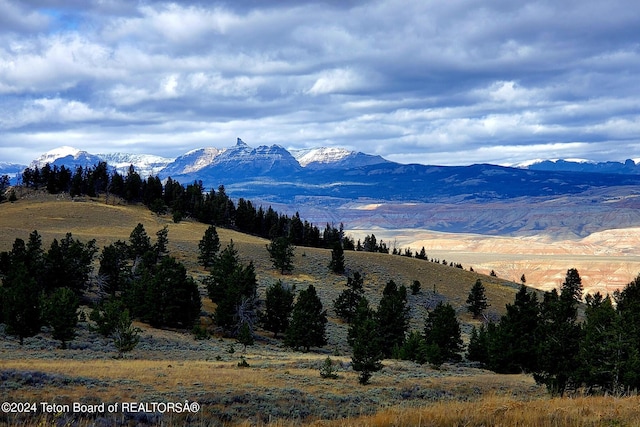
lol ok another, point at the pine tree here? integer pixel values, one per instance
(61, 313)
(392, 317)
(477, 300)
(106, 316)
(230, 282)
(414, 348)
(209, 247)
(223, 267)
(512, 342)
(415, 287)
(370, 244)
(35, 257)
(628, 310)
(4, 184)
(442, 335)
(308, 322)
(139, 242)
(558, 336)
(337, 259)
(125, 336)
(162, 242)
(245, 336)
(113, 272)
(164, 295)
(183, 302)
(278, 308)
(348, 300)
(571, 291)
(602, 348)
(328, 369)
(281, 252)
(21, 302)
(478, 350)
(366, 343)
(132, 186)
(69, 263)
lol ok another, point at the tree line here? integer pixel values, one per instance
(193, 200)
(371, 244)
(598, 352)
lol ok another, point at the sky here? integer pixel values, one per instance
(435, 82)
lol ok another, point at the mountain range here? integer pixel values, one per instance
(567, 198)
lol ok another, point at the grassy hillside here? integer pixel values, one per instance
(279, 384)
(53, 216)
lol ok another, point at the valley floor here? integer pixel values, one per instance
(607, 260)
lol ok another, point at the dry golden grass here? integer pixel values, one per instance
(508, 412)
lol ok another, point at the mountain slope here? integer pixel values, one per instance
(69, 157)
(236, 164)
(145, 164)
(334, 158)
(191, 162)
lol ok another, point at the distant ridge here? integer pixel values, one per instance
(629, 166)
(332, 185)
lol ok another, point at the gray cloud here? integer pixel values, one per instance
(434, 82)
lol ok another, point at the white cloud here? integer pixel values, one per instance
(336, 81)
(51, 64)
(404, 79)
(54, 111)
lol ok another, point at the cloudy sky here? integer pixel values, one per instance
(436, 82)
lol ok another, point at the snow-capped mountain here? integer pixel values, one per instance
(238, 161)
(191, 162)
(70, 157)
(67, 156)
(275, 159)
(334, 157)
(145, 164)
(235, 161)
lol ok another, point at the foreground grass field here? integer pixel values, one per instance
(279, 386)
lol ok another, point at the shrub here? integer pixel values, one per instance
(328, 370)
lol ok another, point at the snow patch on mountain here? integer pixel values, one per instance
(55, 154)
(321, 155)
(335, 158)
(242, 159)
(192, 161)
(71, 157)
(145, 164)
